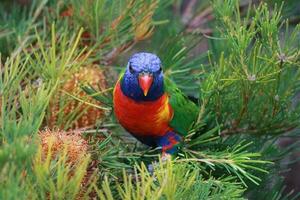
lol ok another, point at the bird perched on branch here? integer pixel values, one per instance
(150, 106)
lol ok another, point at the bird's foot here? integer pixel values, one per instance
(166, 157)
(151, 168)
(169, 145)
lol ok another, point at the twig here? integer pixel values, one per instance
(187, 13)
(202, 18)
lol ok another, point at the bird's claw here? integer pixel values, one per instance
(164, 159)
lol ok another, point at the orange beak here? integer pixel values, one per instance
(145, 82)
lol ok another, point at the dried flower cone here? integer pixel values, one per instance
(74, 146)
(60, 141)
(85, 115)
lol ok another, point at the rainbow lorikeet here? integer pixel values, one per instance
(150, 106)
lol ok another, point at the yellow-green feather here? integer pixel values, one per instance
(185, 111)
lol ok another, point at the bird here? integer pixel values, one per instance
(150, 106)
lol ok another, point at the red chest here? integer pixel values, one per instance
(142, 118)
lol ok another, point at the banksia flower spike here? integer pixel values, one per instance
(58, 141)
(85, 107)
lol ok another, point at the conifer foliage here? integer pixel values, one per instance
(238, 60)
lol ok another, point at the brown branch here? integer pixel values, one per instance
(187, 12)
(202, 18)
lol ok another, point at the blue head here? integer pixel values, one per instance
(143, 78)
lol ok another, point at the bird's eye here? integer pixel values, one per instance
(160, 69)
(131, 70)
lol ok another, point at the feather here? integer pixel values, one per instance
(185, 111)
(142, 118)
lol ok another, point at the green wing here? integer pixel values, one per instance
(185, 111)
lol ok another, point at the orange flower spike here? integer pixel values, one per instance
(87, 115)
(57, 141)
